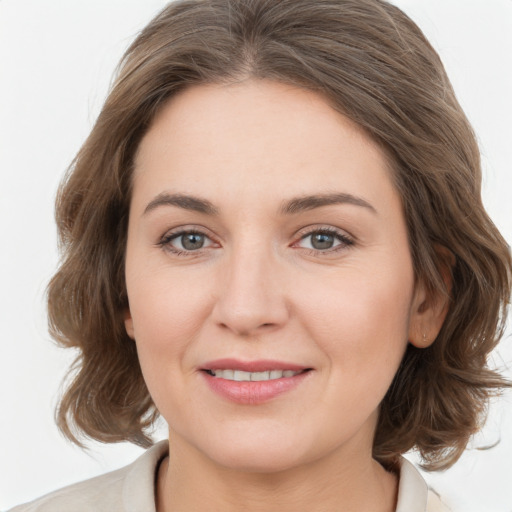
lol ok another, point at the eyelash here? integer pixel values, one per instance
(169, 237)
(345, 241)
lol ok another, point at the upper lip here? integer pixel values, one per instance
(260, 365)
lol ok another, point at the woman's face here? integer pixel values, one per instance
(265, 236)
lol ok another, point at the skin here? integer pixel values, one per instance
(260, 288)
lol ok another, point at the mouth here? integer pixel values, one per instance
(244, 376)
(254, 382)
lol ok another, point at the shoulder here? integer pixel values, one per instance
(99, 493)
(124, 490)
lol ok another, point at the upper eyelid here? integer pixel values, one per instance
(182, 230)
(319, 227)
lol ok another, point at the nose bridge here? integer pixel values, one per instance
(250, 289)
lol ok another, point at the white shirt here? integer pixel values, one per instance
(132, 489)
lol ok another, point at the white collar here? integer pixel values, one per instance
(412, 489)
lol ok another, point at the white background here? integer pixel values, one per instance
(56, 60)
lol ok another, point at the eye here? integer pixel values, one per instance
(325, 240)
(184, 242)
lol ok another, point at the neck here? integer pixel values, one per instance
(188, 481)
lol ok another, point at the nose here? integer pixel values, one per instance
(251, 297)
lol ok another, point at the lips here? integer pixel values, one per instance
(252, 366)
(252, 382)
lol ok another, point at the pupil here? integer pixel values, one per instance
(192, 241)
(322, 241)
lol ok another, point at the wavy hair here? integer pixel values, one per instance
(372, 64)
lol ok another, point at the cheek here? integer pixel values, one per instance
(360, 321)
(167, 314)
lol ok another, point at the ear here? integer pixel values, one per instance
(128, 323)
(428, 311)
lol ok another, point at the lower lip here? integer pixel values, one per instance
(253, 393)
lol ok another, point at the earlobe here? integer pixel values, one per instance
(429, 311)
(128, 324)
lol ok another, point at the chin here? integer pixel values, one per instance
(254, 461)
(258, 454)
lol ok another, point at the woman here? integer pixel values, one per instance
(274, 237)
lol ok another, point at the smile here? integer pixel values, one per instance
(243, 376)
(253, 382)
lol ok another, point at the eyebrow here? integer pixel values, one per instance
(290, 207)
(300, 204)
(182, 201)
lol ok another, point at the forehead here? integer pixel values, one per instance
(258, 136)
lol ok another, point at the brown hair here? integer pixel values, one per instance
(374, 65)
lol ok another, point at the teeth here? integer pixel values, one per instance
(229, 374)
(260, 376)
(240, 375)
